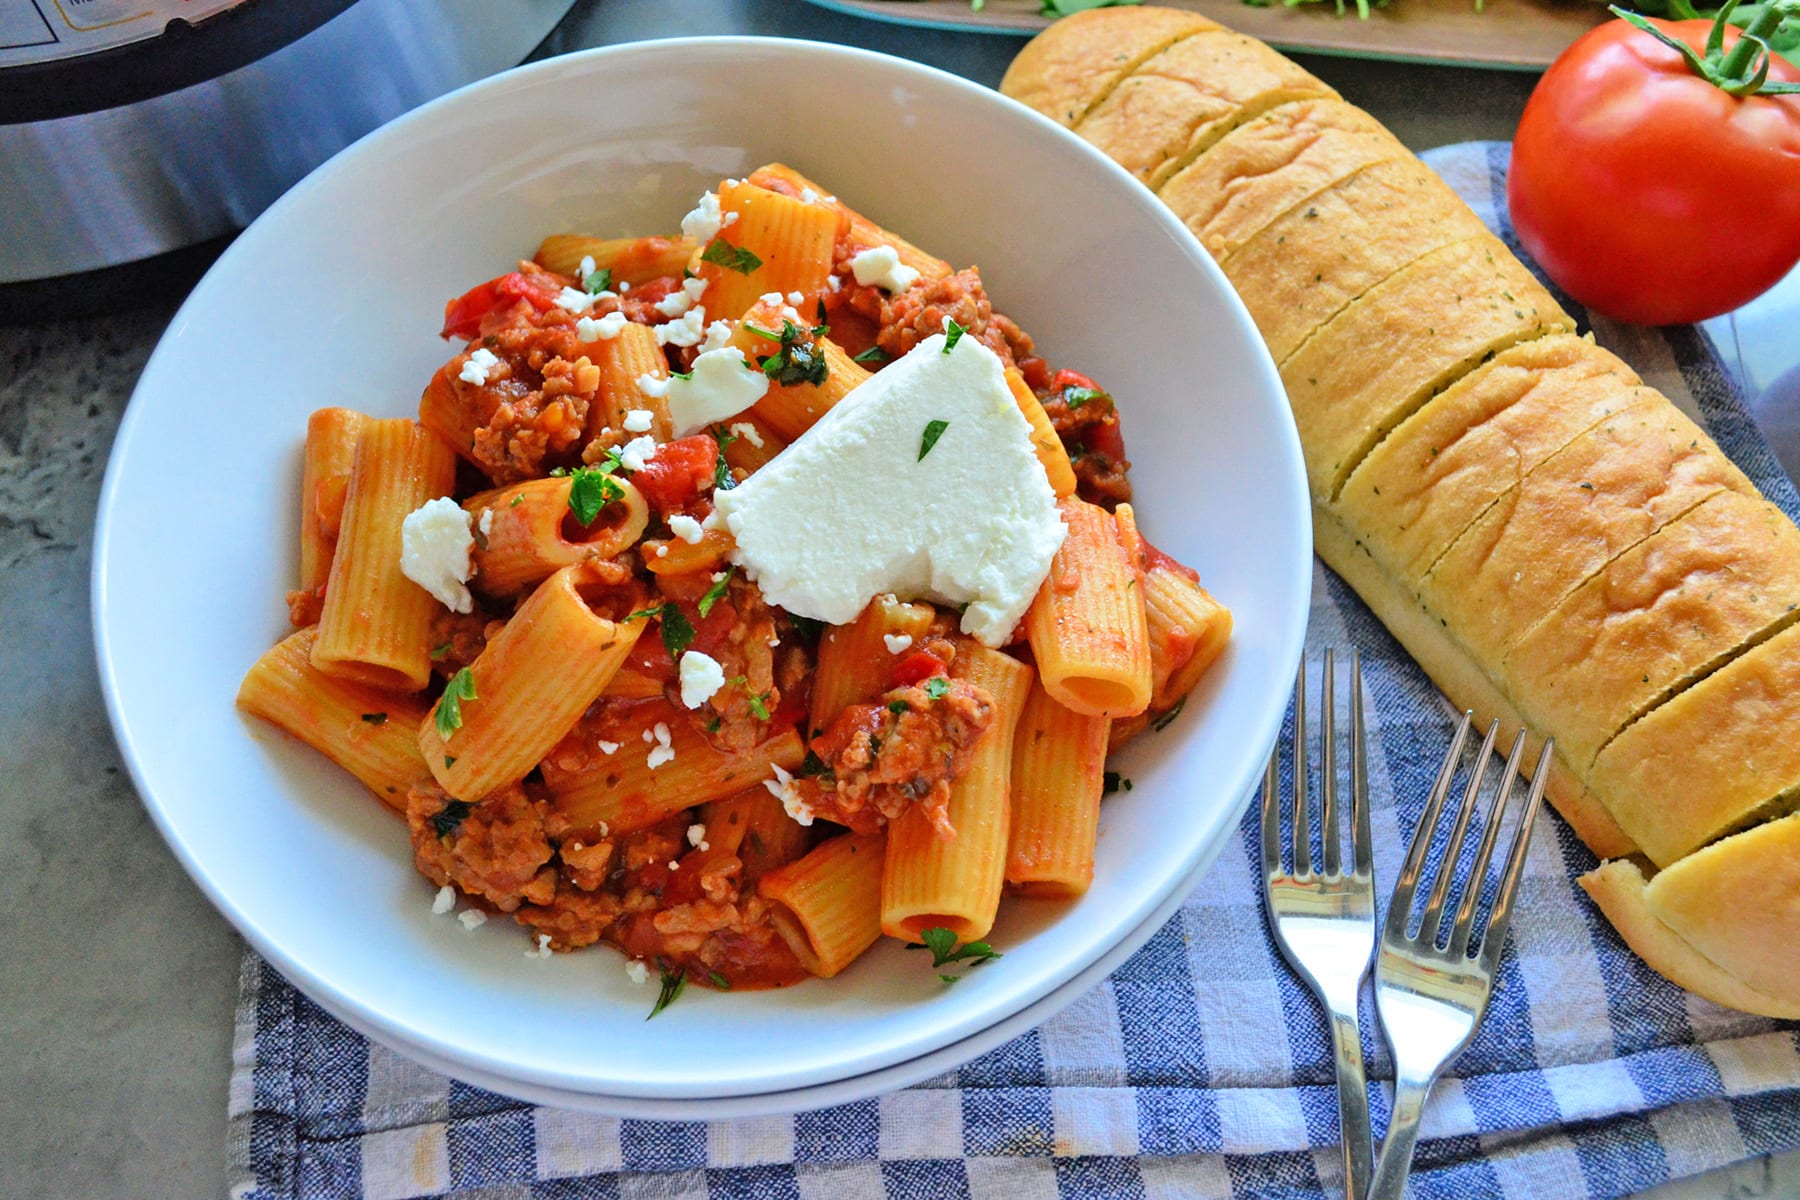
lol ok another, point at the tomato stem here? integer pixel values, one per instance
(1744, 71)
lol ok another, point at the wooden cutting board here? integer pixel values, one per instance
(1512, 34)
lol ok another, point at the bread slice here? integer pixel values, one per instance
(1379, 360)
(1619, 889)
(1262, 168)
(1072, 66)
(1712, 583)
(1717, 758)
(1588, 503)
(1183, 100)
(1429, 479)
(1304, 267)
(1460, 678)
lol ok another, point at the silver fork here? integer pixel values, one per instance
(1431, 999)
(1324, 921)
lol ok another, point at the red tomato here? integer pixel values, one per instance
(917, 667)
(462, 316)
(680, 470)
(1648, 192)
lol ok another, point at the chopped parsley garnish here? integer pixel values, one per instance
(1112, 781)
(719, 981)
(759, 705)
(677, 630)
(1161, 722)
(807, 628)
(874, 354)
(944, 951)
(819, 311)
(716, 592)
(449, 706)
(897, 707)
(517, 500)
(438, 651)
(448, 819)
(952, 334)
(812, 766)
(722, 477)
(595, 282)
(1075, 397)
(375, 718)
(798, 360)
(933, 431)
(590, 490)
(672, 983)
(449, 761)
(722, 253)
(937, 687)
(712, 726)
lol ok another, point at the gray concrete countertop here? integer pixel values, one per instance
(117, 980)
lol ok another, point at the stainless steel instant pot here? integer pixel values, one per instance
(141, 132)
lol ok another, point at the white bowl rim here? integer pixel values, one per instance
(1296, 550)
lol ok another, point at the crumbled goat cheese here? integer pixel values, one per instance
(834, 283)
(542, 949)
(637, 972)
(435, 541)
(748, 432)
(601, 329)
(808, 196)
(676, 303)
(472, 918)
(882, 267)
(652, 385)
(686, 528)
(575, 300)
(702, 224)
(717, 335)
(770, 298)
(701, 678)
(585, 269)
(685, 330)
(639, 420)
(897, 642)
(662, 752)
(444, 901)
(633, 455)
(722, 383)
(607, 747)
(783, 789)
(796, 297)
(479, 365)
(486, 524)
(697, 837)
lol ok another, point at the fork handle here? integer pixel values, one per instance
(1395, 1163)
(1353, 1094)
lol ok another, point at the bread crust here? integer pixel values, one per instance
(1076, 63)
(1179, 102)
(1712, 759)
(1428, 480)
(1378, 361)
(1461, 679)
(1267, 165)
(1303, 268)
(1585, 505)
(1618, 888)
(1715, 581)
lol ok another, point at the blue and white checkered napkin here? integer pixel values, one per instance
(1199, 1069)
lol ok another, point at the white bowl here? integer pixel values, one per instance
(334, 297)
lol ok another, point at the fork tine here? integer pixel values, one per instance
(1302, 826)
(1271, 812)
(1459, 833)
(1493, 939)
(1328, 807)
(1362, 842)
(1400, 906)
(1471, 899)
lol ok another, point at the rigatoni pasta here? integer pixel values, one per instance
(558, 662)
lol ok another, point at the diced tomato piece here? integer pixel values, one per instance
(678, 473)
(1065, 379)
(917, 666)
(463, 315)
(656, 289)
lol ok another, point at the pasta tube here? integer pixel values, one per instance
(856, 663)
(530, 532)
(531, 683)
(827, 906)
(375, 626)
(1087, 626)
(1058, 770)
(791, 409)
(864, 234)
(324, 481)
(623, 361)
(1044, 442)
(368, 732)
(1188, 631)
(631, 260)
(954, 883)
(789, 241)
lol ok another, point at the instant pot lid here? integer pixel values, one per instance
(60, 58)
